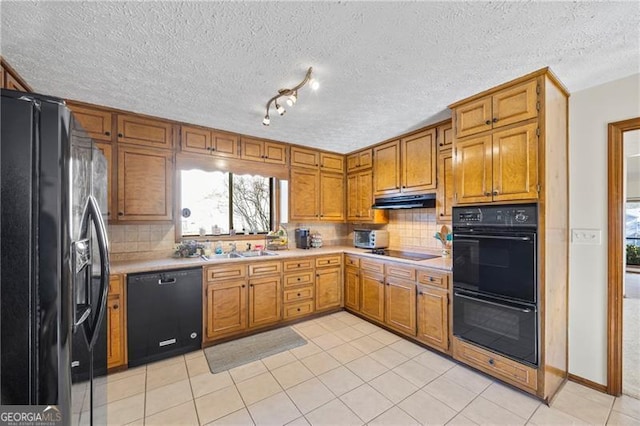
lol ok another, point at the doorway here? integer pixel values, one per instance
(617, 356)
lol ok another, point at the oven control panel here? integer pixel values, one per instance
(513, 215)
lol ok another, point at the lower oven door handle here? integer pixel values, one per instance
(525, 310)
(491, 237)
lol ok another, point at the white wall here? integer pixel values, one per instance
(590, 111)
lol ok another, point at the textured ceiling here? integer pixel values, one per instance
(384, 67)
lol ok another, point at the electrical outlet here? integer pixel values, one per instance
(586, 236)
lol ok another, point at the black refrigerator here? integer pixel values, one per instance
(54, 261)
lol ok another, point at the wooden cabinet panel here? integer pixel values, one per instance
(224, 145)
(400, 271)
(371, 265)
(386, 168)
(515, 104)
(352, 288)
(330, 260)
(418, 162)
(445, 187)
(304, 189)
(226, 272)
(445, 136)
(298, 294)
(116, 352)
(515, 163)
(353, 205)
(145, 184)
(2, 77)
(473, 170)
(372, 296)
(226, 308)
(400, 305)
(195, 139)
(145, 131)
(328, 288)
(433, 278)
(364, 199)
(296, 265)
(301, 278)
(295, 310)
(106, 150)
(264, 268)
(331, 162)
(264, 301)
(433, 316)
(252, 149)
(301, 157)
(351, 261)
(95, 122)
(473, 117)
(10, 82)
(360, 160)
(275, 153)
(331, 196)
(504, 368)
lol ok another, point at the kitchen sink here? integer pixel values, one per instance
(222, 256)
(256, 253)
(239, 255)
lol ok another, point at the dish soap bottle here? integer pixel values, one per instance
(218, 247)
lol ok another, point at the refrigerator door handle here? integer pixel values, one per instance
(92, 327)
(80, 259)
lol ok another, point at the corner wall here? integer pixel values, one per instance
(590, 111)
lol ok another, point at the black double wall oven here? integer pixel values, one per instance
(495, 279)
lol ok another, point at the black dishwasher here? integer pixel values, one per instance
(164, 314)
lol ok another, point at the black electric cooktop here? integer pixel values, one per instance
(403, 254)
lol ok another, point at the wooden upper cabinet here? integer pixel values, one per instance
(353, 202)
(145, 184)
(445, 187)
(360, 199)
(2, 77)
(226, 308)
(304, 190)
(204, 141)
(507, 106)
(331, 162)
(12, 83)
(265, 295)
(445, 136)
(360, 160)
(515, 104)
(419, 162)
(263, 151)
(145, 131)
(301, 157)
(473, 117)
(433, 316)
(96, 123)
(473, 180)
(106, 150)
(386, 167)
(400, 305)
(515, 163)
(328, 288)
(331, 196)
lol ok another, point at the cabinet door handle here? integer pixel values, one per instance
(298, 309)
(298, 294)
(115, 307)
(441, 214)
(243, 286)
(496, 192)
(250, 285)
(487, 194)
(441, 144)
(420, 293)
(491, 361)
(213, 149)
(107, 133)
(298, 278)
(487, 122)
(495, 120)
(119, 135)
(120, 214)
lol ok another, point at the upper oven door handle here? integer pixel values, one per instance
(488, 302)
(491, 237)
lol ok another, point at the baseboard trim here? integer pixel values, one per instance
(588, 383)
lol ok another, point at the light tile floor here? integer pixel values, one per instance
(350, 372)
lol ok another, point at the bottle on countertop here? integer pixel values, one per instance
(218, 247)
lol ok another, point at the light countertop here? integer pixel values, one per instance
(134, 266)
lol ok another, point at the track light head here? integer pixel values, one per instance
(280, 109)
(292, 99)
(315, 84)
(291, 96)
(266, 121)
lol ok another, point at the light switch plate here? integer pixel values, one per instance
(586, 236)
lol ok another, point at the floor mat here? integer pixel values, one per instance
(232, 354)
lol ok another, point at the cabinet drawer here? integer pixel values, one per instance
(297, 294)
(264, 268)
(226, 272)
(372, 266)
(302, 278)
(298, 309)
(352, 261)
(434, 278)
(115, 285)
(504, 368)
(401, 271)
(328, 261)
(295, 265)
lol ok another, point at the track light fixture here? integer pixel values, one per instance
(291, 95)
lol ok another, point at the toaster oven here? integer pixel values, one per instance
(370, 238)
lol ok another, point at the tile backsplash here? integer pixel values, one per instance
(413, 229)
(140, 242)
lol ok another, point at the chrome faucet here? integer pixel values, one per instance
(248, 247)
(233, 248)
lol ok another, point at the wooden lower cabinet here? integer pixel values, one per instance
(226, 308)
(433, 316)
(372, 296)
(328, 288)
(265, 301)
(352, 289)
(400, 305)
(116, 352)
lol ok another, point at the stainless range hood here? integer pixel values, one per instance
(406, 202)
